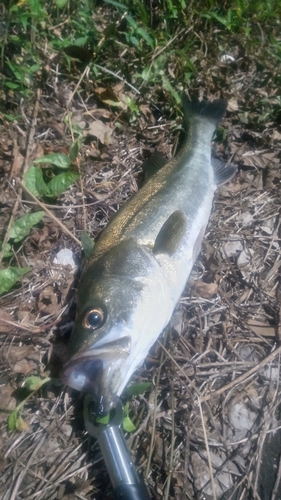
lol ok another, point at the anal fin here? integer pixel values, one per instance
(223, 172)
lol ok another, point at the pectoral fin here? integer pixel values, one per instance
(153, 164)
(171, 234)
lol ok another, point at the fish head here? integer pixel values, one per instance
(119, 316)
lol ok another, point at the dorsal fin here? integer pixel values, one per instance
(154, 163)
(171, 234)
(223, 172)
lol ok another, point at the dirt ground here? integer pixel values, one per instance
(209, 425)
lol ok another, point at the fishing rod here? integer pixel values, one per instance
(123, 475)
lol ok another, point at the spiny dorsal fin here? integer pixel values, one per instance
(171, 234)
(154, 163)
(223, 172)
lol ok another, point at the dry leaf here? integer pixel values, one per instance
(16, 353)
(100, 130)
(232, 105)
(48, 301)
(233, 246)
(7, 401)
(25, 366)
(261, 328)
(206, 290)
(244, 261)
(6, 322)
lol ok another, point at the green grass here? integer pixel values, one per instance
(35, 36)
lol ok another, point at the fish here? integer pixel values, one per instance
(142, 260)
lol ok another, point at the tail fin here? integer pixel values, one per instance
(212, 110)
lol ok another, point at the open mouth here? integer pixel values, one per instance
(84, 374)
(97, 371)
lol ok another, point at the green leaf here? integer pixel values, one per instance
(11, 118)
(12, 85)
(128, 425)
(87, 244)
(60, 183)
(7, 251)
(21, 227)
(61, 3)
(58, 159)
(117, 4)
(77, 130)
(82, 40)
(33, 383)
(137, 389)
(8, 277)
(167, 85)
(33, 180)
(74, 149)
(12, 420)
(103, 420)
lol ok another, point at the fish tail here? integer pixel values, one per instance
(212, 111)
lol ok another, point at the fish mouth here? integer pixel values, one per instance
(98, 372)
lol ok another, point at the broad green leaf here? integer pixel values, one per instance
(75, 148)
(12, 420)
(87, 244)
(82, 40)
(33, 180)
(11, 118)
(8, 277)
(12, 85)
(128, 425)
(60, 183)
(21, 227)
(34, 68)
(77, 130)
(58, 159)
(137, 389)
(7, 250)
(33, 383)
(61, 3)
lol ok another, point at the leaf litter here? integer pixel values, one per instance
(221, 351)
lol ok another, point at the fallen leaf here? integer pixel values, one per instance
(21, 425)
(16, 353)
(7, 322)
(206, 290)
(100, 130)
(48, 301)
(108, 96)
(261, 159)
(25, 366)
(276, 136)
(232, 105)
(244, 261)
(7, 401)
(233, 246)
(261, 328)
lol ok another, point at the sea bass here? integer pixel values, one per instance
(142, 260)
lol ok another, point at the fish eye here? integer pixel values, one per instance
(94, 318)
